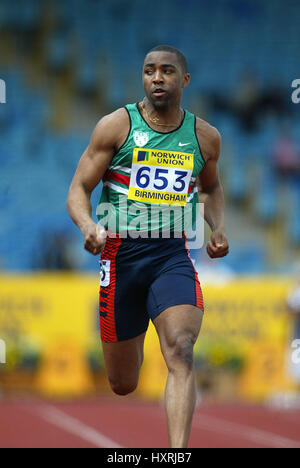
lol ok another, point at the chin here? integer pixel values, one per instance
(159, 103)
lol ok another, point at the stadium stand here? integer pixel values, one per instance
(68, 63)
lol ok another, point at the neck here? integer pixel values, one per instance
(163, 115)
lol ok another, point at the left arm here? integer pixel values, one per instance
(210, 189)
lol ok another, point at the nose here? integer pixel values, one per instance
(157, 77)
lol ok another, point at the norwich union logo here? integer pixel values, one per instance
(140, 138)
(143, 156)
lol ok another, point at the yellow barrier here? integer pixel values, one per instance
(46, 308)
(58, 314)
(249, 317)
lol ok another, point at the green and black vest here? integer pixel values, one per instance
(150, 184)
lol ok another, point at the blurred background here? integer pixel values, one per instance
(65, 65)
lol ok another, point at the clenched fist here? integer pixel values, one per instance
(218, 245)
(94, 238)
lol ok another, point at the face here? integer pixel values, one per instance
(163, 78)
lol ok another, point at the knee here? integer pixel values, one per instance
(122, 388)
(181, 352)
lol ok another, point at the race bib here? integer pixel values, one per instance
(159, 176)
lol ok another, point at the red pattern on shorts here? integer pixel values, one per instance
(107, 322)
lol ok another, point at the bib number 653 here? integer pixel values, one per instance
(162, 179)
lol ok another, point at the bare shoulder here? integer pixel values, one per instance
(119, 117)
(209, 139)
(112, 129)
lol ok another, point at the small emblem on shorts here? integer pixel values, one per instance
(104, 272)
(140, 138)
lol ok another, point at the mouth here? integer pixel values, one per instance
(159, 92)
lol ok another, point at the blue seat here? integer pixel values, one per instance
(246, 259)
(266, 201)
(57, 51)
(293, 224)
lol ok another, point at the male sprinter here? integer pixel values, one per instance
(148, 154)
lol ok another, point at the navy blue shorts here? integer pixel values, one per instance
(139, 279)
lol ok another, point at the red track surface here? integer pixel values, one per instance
(131, 423)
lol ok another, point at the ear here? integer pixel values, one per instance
(186, 80)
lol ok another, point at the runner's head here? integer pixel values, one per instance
(165, 74)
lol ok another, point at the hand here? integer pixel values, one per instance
(94, 238)
(218, 245)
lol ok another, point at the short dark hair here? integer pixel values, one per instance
(166, 48)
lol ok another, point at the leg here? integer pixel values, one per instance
(178, 328)
(123, 361)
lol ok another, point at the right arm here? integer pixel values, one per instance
(108, 136)
(210, 189)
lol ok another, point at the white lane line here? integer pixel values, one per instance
(74, 426)
(246, 432)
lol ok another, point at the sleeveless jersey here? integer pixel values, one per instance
(150, 184)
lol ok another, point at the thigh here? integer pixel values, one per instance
(176, 284)
(178, 327)
(123, 359)
(123, 292)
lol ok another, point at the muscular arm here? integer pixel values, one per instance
(108, 136)
(210, 189)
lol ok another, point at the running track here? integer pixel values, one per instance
(126, 422)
